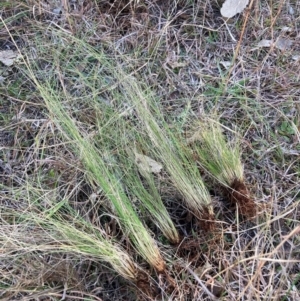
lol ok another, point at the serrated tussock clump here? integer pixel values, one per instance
(223, 161)
(168, 148)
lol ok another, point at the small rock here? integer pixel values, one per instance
(57, 11)
(283, 43)
(291, 10)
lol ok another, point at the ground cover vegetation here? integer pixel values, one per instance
(149, 150)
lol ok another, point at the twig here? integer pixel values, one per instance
(211, 295)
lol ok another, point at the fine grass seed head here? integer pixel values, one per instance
(150, 199)
(216, 155)
(99, 172)
(168, 148)
(223, 162)
(136, 171)
(54, 233)
(89, 244)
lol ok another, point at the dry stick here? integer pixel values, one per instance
(211, 295)
(277, 15)
(258, 269)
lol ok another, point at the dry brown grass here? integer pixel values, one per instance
(181, 50)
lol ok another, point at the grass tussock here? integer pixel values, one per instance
(216, 155)
(59, 230)
(50, 236)
(98, 171)
(223, 162)
(168, 148)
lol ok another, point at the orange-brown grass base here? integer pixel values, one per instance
(150, 289)
(238, 194)
(206, 221)
(147, 289)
